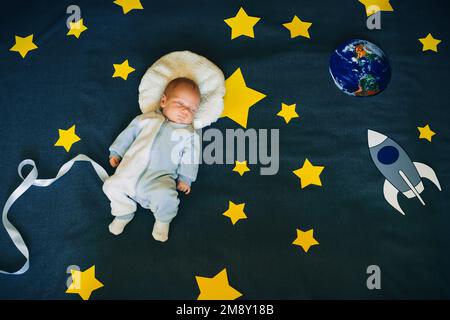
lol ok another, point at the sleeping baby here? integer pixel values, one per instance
(156, 155)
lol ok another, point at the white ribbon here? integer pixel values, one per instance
(32, 180)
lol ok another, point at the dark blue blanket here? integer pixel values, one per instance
(69, 81)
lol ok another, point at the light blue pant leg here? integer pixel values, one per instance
(162, 195)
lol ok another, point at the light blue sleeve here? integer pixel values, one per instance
(125, 139)
(188, 168)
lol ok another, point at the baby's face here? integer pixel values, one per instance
(180, 104)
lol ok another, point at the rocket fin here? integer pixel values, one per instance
(390, 194)
(428, 173)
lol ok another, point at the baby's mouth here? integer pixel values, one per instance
(182, 116)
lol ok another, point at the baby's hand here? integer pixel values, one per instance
(114, 161)
(183, 187)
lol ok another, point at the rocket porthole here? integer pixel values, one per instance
(388, 155)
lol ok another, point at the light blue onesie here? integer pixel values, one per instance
(156, 187)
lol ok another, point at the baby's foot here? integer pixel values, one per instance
(161, 231)
(116, 227)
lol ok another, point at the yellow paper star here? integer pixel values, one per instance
(309, 174)
(298, 27)
(76, 28)
(426, 132)
(242, 24)
(128, 5)
(288, 112)
(239, 98)
(305, 239)
(430, 43)
(216, 288)
(23, 45)
(235, 212)
(122, 70)
(373, 6)
(241, 167)
(67, 138)
(84, 283)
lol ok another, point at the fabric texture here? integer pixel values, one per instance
(68, 81)
(209, 78)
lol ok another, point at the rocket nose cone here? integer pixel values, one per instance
(375, 138)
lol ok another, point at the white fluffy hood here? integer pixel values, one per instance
(208, 76)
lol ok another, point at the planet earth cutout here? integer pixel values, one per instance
(360, 68)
